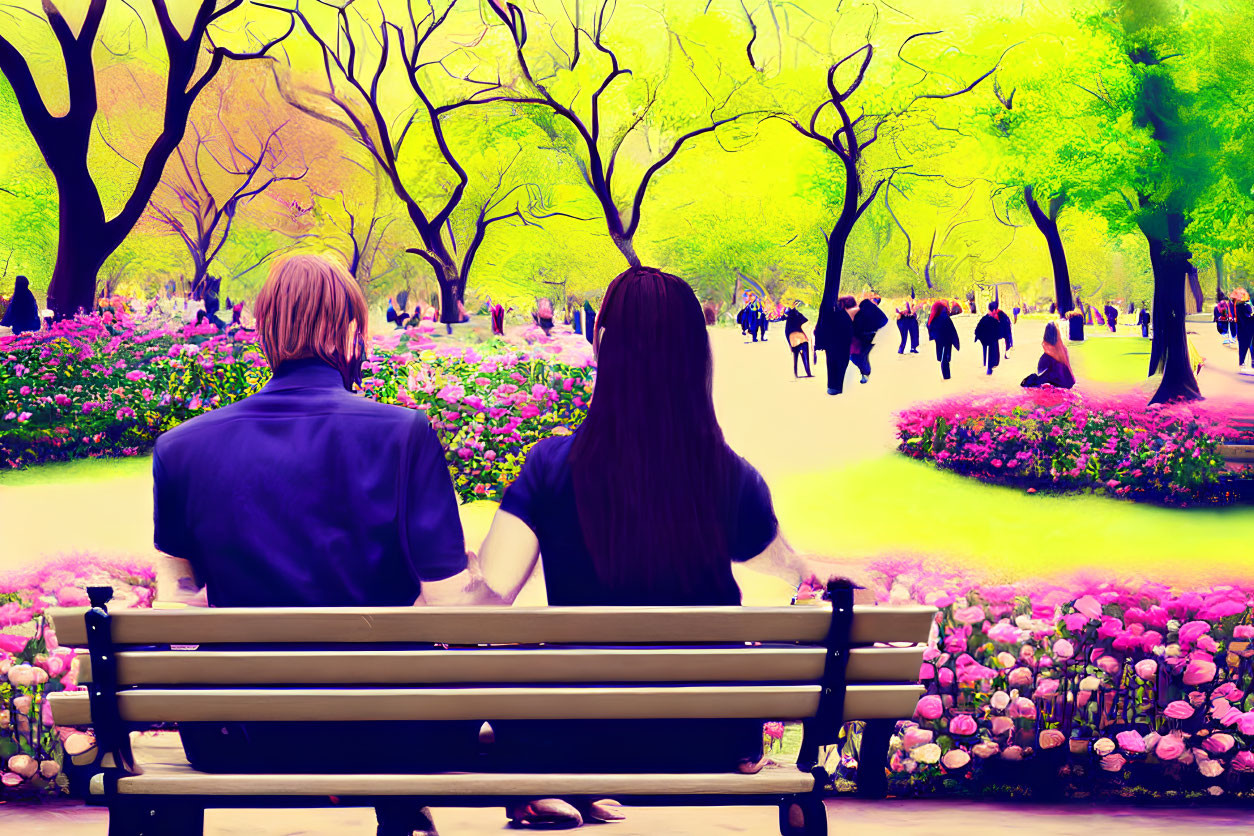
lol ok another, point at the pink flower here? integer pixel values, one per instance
(988, 749)
(1063, 649)
(1170, 747)
(1199, 671)
(955, 759)
(1146, 669)
(1219, 743)
(1089, 606)
(930, 708)
(1243, 761)
(1243, 631)
(1000, 701)
(915, 737)
(1245, 723)
(963, 724)
(969, 615)
(1109, 664)
(1130, 741)
(1001, 725)
(1210, 768)
(1052, 739)
(1046, 687)
(1178, 710)
(1113, 763)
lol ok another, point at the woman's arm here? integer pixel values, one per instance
(177, 583)
(508, 556)
(779, 560)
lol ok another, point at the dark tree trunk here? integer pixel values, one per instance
(1195, 287)
(837, 242)
(1170, 346)
(1048, 226)
(627, 247)
(1219, 277)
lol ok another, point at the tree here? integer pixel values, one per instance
(217, 177)
(845, 133)
(85, 236)
(358, 59)
(556, 87)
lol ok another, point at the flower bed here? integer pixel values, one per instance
(1110, 688)
(104, 386)
(1059, 439)
(33, 665)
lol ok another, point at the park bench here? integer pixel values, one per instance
(820, 664)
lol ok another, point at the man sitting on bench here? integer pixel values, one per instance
(306, 495)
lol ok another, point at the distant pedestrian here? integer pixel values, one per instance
(22, 314)
(797, 339)
(1223, 320)
(866, 323)
(589, 322)
(1112, 316)
(1143, 319)
(943, 334)
(988, 334)
(908, 327)
(1075, 326)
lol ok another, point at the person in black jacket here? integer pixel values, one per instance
(866, 322)
(1112, 316)
(1243, 314)
(834, 334)
(1143, 319)
(988, 334)
(797, 339)
(22, 314)
(908, 327)
(941, 331)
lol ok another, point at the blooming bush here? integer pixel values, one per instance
(1060, 439)
(1123, 688)
(102, 385)
(33, 665)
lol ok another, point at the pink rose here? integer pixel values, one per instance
(23, 765)
(1022, 707)
(963, 724)
(1002, 725)
(955, 759)
(915, 737)
(1109, 664)
(1243, 631)
(988, 749)
(1219, 743)
(1146, 669)
(1178, 710)
(1130, 741)
(1088, 605)
(1243, 761)
(1245, 723)
(931, 708)
(1052, 739)
(1013, 753)
(1046, 687)
(1113, 763)
(1170, 747)
(1199, 671)
(1020, 678)
(1210, 768)
(1063, 649)
(1000, 701)
(969, 615)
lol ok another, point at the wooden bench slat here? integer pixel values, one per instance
(496, 625)
(183, 780)
(775, 702)
(501, 665)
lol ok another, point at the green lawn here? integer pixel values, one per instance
(80, 470)
(1116, 359)
(898, 506)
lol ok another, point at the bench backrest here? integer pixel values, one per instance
(506, 663)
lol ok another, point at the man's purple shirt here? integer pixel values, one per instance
(305, 494)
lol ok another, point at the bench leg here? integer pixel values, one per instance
(803, 815)
(873, 758)
(155, 818)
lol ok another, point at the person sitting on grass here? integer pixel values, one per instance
(1054, 367)
(644, 504)
(315, 497)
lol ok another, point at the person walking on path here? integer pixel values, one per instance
(988, 335)
(22, 314)
(1243, 316)
(866, 322)
(1223, 319)
(760, 323)
(908, 327)
(1007, 330)
(943, 334)
(797, 339)
(589, 322)
(833, 334)
(1143, 319)
(1112, 316)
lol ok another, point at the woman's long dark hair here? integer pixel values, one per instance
(652, 473)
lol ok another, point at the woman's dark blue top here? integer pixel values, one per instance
(22, 313)
(543, 496)
(305, 494)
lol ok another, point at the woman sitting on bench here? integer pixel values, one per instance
(663, 509)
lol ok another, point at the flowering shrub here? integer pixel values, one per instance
(33, 665)
(102, 385)
(1115, 687)
(1057, 438)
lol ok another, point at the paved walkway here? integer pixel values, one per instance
(845, 818)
